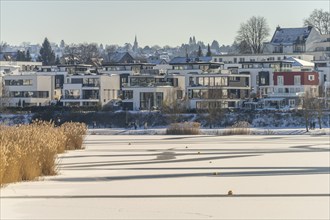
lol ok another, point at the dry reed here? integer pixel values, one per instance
(30, 151)
(186, 128)
(239, 128)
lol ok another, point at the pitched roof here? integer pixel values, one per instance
(290, 35)
(299, 63)
(157, 61)
(118, 57)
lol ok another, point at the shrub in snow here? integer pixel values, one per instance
(184, 128)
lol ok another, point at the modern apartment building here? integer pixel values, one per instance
(30, 90)
(152, 91)
(90, 89)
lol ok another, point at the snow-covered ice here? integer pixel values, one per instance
(181, 177)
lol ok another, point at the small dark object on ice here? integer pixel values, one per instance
(230, 193)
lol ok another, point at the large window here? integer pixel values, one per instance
(128, 94)
(142, 81)
(292, 103)
(146, 100)
(179, 94)
(72, 94)
(90, 94)
(19, 82)
(159, 99)
(76, 81)
(280, 80)
(297, 80)
(212, 81)
(91, 82)
(208, 94)
(263, 80)
(29, 94)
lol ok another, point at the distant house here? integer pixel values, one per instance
(8, 56)
(157, 61)
(292, 40)
(184, 60)
(118, 57)
(322, 48)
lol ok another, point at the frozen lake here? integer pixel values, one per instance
(181, 177)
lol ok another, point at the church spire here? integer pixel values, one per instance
(135, 45)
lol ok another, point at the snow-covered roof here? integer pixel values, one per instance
(298, 62)
(290, 35)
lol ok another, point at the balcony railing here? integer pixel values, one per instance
(90, 85)
(284, 94)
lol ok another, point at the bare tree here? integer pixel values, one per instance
(254, 32)
(308, 108)
(71, 54)
(111, 49)
(319, 107)
(173, 108)
(88, 52)
(215, 108)
(320, 20)
(82, 53)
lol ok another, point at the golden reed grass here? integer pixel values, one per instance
(186, 128)
(30, 151)
(239, 128)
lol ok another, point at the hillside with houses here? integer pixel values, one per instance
(291, 74)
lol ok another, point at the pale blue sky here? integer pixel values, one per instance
(154, 22)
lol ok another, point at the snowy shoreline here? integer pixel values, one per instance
(215, 131)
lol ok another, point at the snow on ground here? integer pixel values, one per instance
(181, 177)
(217, 131)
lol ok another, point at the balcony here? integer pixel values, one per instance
(71, 97)
(91, 85)
(284, 94)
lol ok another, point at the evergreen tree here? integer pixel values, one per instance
(208, 54)
(62, 44)
(57, 61)
(28, 56)
(20, 56)
(215, 45)
(47, 55)
(200, 53)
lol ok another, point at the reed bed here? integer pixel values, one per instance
(239, 128)
(30, 151)
(186, 128)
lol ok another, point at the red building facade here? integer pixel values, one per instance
(306, 78)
